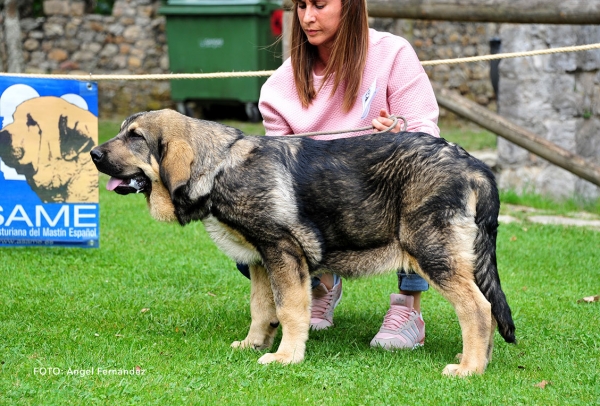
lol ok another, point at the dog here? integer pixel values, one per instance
(291, 207)
(49, 143)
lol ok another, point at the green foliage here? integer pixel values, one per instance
(246, 127)
(561, 206)
(104, 7)
(468, 136)
(108, 129)
(37, 8)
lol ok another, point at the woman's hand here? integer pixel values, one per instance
(383, 122)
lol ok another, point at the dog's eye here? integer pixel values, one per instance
(134, 135)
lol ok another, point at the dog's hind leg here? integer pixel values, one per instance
(491, 343)
(476, 322)
(290, 281)
(262, 309)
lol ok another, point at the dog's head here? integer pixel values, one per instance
(166, 156)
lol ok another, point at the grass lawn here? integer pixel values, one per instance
(161, 299)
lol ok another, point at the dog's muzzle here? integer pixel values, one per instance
(120, 184)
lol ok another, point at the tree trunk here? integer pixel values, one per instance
(12, 35)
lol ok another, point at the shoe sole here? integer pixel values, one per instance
(415, 346)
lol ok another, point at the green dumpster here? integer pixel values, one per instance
(206, 36)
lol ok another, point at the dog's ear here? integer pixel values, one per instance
(176, 164)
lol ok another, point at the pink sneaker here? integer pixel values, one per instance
(402, 326)
(323, 303)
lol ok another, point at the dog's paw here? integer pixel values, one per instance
(281, 358)
(459, 370)
(455, 370)
(246, 343)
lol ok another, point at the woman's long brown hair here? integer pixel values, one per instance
(348, 55)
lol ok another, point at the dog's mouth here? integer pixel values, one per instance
(124, 186)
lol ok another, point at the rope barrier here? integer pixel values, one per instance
(219, 75)
(577, 48)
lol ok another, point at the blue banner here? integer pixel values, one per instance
(48, 182)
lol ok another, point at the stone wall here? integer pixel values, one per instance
(130, 41)
(556, 97)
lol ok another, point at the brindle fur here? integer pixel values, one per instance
(292, 207)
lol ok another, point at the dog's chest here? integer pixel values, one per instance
(231, 242)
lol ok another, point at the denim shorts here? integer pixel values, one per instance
(411, 282)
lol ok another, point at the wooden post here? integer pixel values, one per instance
(518, 135)
(498, 11)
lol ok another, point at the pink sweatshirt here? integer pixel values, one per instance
(393, 79)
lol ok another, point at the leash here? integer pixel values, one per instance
(312, 134)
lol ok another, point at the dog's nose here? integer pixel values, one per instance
(97, 155)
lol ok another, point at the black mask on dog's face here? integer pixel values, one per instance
(72, 141)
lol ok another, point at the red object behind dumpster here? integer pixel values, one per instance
(277, 22)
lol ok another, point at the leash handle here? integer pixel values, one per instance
(394, 118)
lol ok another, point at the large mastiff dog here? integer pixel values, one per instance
(292, 206)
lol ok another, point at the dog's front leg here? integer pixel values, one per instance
(262, 309)
(290, 281)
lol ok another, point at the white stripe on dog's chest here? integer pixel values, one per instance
(232, 243)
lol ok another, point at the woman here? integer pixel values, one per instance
(343, 75)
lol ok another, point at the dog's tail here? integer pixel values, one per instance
(486, 269)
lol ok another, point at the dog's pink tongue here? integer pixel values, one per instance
(113, 183)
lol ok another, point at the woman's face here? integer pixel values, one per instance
(320, 20)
